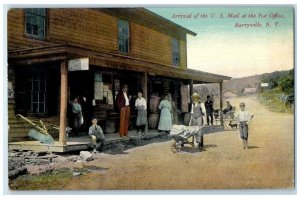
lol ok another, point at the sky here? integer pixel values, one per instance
(226, 43)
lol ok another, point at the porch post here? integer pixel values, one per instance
(145, 92)
(191, 90)
(63, 102)
(144, 85)
(221, 104)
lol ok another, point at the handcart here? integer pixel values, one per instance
(181, 135)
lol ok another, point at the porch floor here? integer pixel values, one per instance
(81, 143)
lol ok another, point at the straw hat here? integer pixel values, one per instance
(195, 96)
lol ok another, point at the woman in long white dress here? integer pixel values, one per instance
(165, 120)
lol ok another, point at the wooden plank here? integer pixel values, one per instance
(38, 60)
(36, 147)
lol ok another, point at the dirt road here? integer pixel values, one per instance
(268, 163)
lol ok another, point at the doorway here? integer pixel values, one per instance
(81, 86)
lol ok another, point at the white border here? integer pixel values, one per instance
(134, 194)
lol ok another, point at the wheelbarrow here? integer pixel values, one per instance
(181, 134)
(40, 131)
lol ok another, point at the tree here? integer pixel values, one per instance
(286, 83)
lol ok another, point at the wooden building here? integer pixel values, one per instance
(57, 54)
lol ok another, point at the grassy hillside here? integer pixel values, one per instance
(237, 85)
(278, 96)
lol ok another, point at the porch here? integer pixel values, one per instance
(151, 75)
(84, 142)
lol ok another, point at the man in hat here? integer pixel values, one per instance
(209, 110)
(243, 118)
(197, 114)
(123, 105)
(96, 133)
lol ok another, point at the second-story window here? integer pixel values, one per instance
(175, 52)
(35, 22)
(123, 36)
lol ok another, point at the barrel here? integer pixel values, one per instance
(154, 103)
(153, 120)
(110, 127)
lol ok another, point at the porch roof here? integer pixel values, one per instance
(109, 60)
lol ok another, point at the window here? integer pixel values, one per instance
(38, 92)
(35, 22)
(175, 52)
(123, 36)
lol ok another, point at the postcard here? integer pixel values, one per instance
(151, 98)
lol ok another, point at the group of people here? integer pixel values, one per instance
(198, 111)
(122, 100)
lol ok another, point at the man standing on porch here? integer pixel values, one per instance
(123, 106)
(209, 110)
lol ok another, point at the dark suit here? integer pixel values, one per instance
(209, 111)
(124, 114)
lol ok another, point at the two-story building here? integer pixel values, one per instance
(57, 54)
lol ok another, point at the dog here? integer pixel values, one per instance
(233, 125)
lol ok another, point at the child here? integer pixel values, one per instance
(243, 118)
(97, 135)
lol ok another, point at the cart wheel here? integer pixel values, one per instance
(174, 147)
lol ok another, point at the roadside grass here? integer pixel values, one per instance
(273, 100)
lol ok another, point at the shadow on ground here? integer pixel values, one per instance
(196, 149)
(121, 147)
(253, 147)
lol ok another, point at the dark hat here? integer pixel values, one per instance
(208, 96)
(94, 118)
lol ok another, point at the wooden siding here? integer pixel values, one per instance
(94, 30)
(16, 32)
(18, 128)
(148, 44)
(183, 54)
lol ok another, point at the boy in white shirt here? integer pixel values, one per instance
(243, 118)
